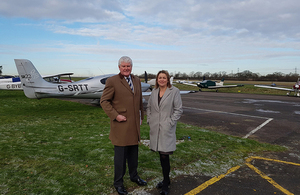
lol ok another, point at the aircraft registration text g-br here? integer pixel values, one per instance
(14, 86)
(74, 87)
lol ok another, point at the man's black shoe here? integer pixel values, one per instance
(140, 182)
(121, 190)
(164, 192)
(160, 185)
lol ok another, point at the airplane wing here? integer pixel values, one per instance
(269, 87)
(186, 92)
(146, 93)
(191, 84)
(181, 93)
(224, 86)
(56, 75)
(56, 78)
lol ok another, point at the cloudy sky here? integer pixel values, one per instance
(88, 37)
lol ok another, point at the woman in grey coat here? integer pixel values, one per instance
(163, 110)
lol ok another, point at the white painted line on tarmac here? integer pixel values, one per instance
(222, 112)
(258, 128)
(244, 115)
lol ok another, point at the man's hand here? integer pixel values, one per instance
(121, 118)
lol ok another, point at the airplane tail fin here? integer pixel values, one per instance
(30, 77)
(222, 81)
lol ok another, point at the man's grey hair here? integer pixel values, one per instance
(125, 59)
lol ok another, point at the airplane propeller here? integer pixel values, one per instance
(146, 77)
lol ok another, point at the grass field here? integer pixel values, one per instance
(52, 146)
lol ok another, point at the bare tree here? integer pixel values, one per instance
(246, 75)
(198, 75)
(192, 74)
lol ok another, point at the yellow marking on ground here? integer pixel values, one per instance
(211, 181)
(248, 160)
(269, 159)
(270, 180)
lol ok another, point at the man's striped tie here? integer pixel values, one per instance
(130, 83)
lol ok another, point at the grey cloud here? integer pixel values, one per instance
(235, 18)
(211, 29)
(74, 10)
(224, 17)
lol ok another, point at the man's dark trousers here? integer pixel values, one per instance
(123, 153)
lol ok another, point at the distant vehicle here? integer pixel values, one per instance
(295, 88)
(208, 84)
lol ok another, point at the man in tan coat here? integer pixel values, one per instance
(122, 102)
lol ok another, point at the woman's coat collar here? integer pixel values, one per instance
(166, 94)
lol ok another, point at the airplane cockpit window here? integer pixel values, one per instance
(103, 81)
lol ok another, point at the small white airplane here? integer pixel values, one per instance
(208, 84)
(184, 81)
(36, 87)
(14, 83)
(295, 88)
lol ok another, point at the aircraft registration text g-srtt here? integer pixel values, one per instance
(74, 87)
